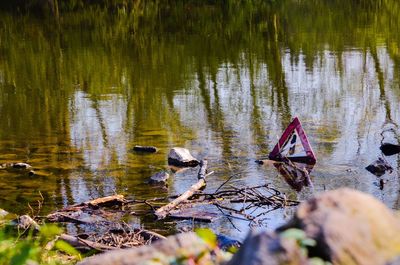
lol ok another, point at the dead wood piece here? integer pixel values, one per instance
(151, 235)
(107, 201)
(188, 243)
(72, 213)
(61, 217)
(200, 216)
(84, 244)
(162, 212)
(203, 170)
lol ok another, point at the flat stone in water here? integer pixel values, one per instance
(379, 167)
(21, 166)
(160, 177)
(181, 157)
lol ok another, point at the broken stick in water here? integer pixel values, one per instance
(162, 212)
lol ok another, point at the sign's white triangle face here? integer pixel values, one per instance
(293, 145)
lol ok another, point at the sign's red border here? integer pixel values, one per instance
(294, 125)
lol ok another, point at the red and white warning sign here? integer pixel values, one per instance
(293, 145)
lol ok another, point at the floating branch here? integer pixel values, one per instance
(162, 212)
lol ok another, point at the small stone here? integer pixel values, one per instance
(26, 222)
(147, 149)
(3, 213)
(265, 248)
(181, 157)
(21, 166)
(379, 167)
(160, 177)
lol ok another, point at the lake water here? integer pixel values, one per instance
(221, 79)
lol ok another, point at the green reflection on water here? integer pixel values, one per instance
(222, 79)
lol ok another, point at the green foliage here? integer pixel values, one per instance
(211, 255)
(304, 243)
(208, 236)
(318, 261)
(300, 237)
(30, 247)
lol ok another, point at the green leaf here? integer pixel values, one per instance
(208, 236)
(49, 231)
(308, 242)
(67, 248)
(294, 233)
(232, 249)
(318, 261)
(21, 256)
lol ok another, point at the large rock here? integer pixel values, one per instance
(181, 157)
(268, 249)
(349, 227)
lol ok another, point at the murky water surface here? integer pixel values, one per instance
(220, 80)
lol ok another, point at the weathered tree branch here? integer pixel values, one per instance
(162, 212)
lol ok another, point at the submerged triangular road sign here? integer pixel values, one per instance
(293, 145)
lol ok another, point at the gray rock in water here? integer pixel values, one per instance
(25, 222)
(379, 167)
(16, 166)
(266, 248)
(159, 178)
(181, 157)
(23, 166)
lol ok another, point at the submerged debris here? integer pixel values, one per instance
(195, 215)
(107, 234)
(381, 184)
(119, 235)
(225, 242)
(390, 149)
(297, 175)
(379, 167)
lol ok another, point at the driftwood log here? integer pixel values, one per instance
(163, 212)
(84, 245)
